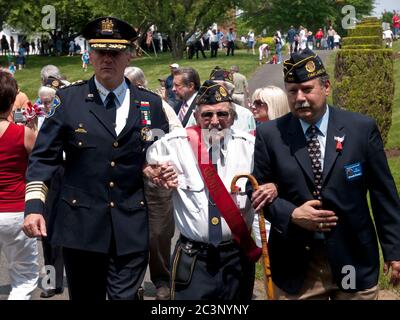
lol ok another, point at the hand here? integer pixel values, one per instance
(265, 194)
(309, 217)
(34, 225)
(162, 175)
(168, 177)
(395, 276)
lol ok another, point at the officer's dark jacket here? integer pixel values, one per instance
(102, 191)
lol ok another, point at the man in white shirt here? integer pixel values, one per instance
(211, 259)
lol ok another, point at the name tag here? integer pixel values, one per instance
(353, 171)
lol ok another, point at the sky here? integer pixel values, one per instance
(389, 5)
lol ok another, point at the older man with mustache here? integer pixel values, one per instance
(323, 243)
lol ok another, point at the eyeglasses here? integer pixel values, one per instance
(258, 103)
(210, 114)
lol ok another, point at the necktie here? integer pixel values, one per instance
(214, 216)
(111, 107)
(182, 111)
(314, 151)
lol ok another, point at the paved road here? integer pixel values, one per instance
(272, 74)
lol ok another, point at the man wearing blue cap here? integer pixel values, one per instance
(104, 126)
(323, 244)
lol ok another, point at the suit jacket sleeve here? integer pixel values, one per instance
(384, 197)
(44, 160)
(279, 212)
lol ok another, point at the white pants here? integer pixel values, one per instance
(21, 254)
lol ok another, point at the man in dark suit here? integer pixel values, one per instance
(323, 243)
(104, 126)
(186, 84)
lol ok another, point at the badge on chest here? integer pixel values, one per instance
(353, 171)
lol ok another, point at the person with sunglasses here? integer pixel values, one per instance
(213, 258)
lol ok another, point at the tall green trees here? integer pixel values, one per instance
(313, 14)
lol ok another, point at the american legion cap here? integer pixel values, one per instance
(109, 33)
(212, 93)
(303, 66)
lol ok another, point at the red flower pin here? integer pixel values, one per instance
(339, 143)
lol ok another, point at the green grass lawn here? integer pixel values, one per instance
(154, 68)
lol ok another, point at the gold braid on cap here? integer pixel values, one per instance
(294, 65)
(118, 41)
(214, 85)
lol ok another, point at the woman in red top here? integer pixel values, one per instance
(16, 142)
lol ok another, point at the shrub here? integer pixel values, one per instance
(365, 40)
(365, 84)
(268, 40)
(360, 46)
(365, 30)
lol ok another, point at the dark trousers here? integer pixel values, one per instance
(53, 257)
(161, 230)
(231, 48)
(93, 276)
(53, 254)
(222, 273)
(214, 49)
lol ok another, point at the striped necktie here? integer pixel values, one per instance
(182, 111)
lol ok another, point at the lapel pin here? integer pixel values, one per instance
(339, 143)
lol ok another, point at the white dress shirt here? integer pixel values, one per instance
(191, 197)
(122, 94)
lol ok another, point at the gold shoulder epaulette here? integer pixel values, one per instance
(75, 83)
(147, 90)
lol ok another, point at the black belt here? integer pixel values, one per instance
(238, 93)
(225, 245)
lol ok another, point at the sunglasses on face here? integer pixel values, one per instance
(210, 114)
(258, 103)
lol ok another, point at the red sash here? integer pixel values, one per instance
(221, 197)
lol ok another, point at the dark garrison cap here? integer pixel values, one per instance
(109, 33)
(303, 66)
(53, 83)
(221, 75)
(212, 93)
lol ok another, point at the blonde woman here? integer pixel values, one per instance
(268, 103)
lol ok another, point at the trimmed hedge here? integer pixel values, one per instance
(365, 30)
(365, 40)
(369, 20)
(360, 46)
(365, 84)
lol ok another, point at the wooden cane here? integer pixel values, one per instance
(269, 290)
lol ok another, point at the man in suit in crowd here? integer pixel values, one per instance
(186, 84)
(324, 161)
(104, 126)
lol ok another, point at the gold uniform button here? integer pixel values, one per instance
(112, 184)
(307, 248)
(80, 143)
(112, 164)
(142, 203)
(112, 205)
(214, 221)
(80, 125)
(115, 144)
(74, 201)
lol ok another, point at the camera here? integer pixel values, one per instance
(19, 116)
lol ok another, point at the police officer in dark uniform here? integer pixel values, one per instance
(104, 126)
